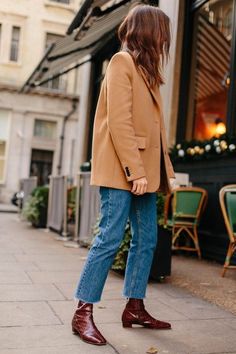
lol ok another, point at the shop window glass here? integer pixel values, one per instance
(210, 70)
(45, 129)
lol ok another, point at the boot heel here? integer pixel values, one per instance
(127, 324)
(74, 331)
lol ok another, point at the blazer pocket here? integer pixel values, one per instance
(141, 140)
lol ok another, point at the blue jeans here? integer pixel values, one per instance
(117, 206)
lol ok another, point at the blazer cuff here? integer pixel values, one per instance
(132, 174)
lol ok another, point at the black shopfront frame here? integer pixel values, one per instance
(190, 8)
(208, 174)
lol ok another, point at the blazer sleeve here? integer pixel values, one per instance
(119, 116)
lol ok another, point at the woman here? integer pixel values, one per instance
(130, 163)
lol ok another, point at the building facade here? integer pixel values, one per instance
(31, 125)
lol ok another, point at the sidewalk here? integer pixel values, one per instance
(38, 276)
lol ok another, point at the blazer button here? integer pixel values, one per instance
(127, 171)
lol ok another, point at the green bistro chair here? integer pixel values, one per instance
(183, 210)
(227, 196)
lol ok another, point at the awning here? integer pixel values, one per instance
(96, 29)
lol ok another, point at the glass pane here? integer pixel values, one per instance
(15, 43)
(46, 129)
(2, 148)
(213, 33)
(4, 124)
(2, 163)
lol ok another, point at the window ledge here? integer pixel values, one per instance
(15, 64)
(68, 7)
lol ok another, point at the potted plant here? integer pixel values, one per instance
(35, 209)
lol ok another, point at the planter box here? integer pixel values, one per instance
(42, 219)
(211, 175)
(161, 265)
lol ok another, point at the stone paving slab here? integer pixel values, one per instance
(37, 304)
(29, 292)
(39, 337)
(65, 349)
(27, 314)
(53, 277)
(8, 208)
(16, 266)
(16, 277)
(195, 308)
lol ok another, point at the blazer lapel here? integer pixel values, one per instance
(154, 91)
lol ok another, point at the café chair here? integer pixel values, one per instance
(227, 197)
(182, 213)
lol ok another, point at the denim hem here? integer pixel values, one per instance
(84, 300)
(134, 296)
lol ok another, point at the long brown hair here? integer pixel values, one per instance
(145, 34)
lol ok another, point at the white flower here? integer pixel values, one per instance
(208, 147)
(232, 147)
(181, 153)
(178, 146)
(218, 149)
(216, 142)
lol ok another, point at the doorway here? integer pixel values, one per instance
(41, 165)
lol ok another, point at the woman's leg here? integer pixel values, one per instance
(143, 219)
(115, 208)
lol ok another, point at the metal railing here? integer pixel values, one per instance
(27, 185)
(57, 205)
(87, 209)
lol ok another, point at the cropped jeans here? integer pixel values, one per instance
(117, 206)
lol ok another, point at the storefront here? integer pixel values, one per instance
(206, 126)
(209, 70)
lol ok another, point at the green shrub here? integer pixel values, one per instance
(35, 208)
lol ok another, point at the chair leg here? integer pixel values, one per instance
(196, 242)
(175, 235)
(227, 259)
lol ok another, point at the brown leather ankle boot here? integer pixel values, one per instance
(84, 326)
(135, 313)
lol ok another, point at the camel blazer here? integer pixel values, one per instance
(129, 138)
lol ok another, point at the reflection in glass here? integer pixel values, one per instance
(210, 75)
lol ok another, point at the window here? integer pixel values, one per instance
(58, 83)
(210, 77)
(15, 40)
(62, 1)
(45, 129)
(52, 38)
(4, 131)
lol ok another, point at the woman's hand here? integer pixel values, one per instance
(139, 186)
